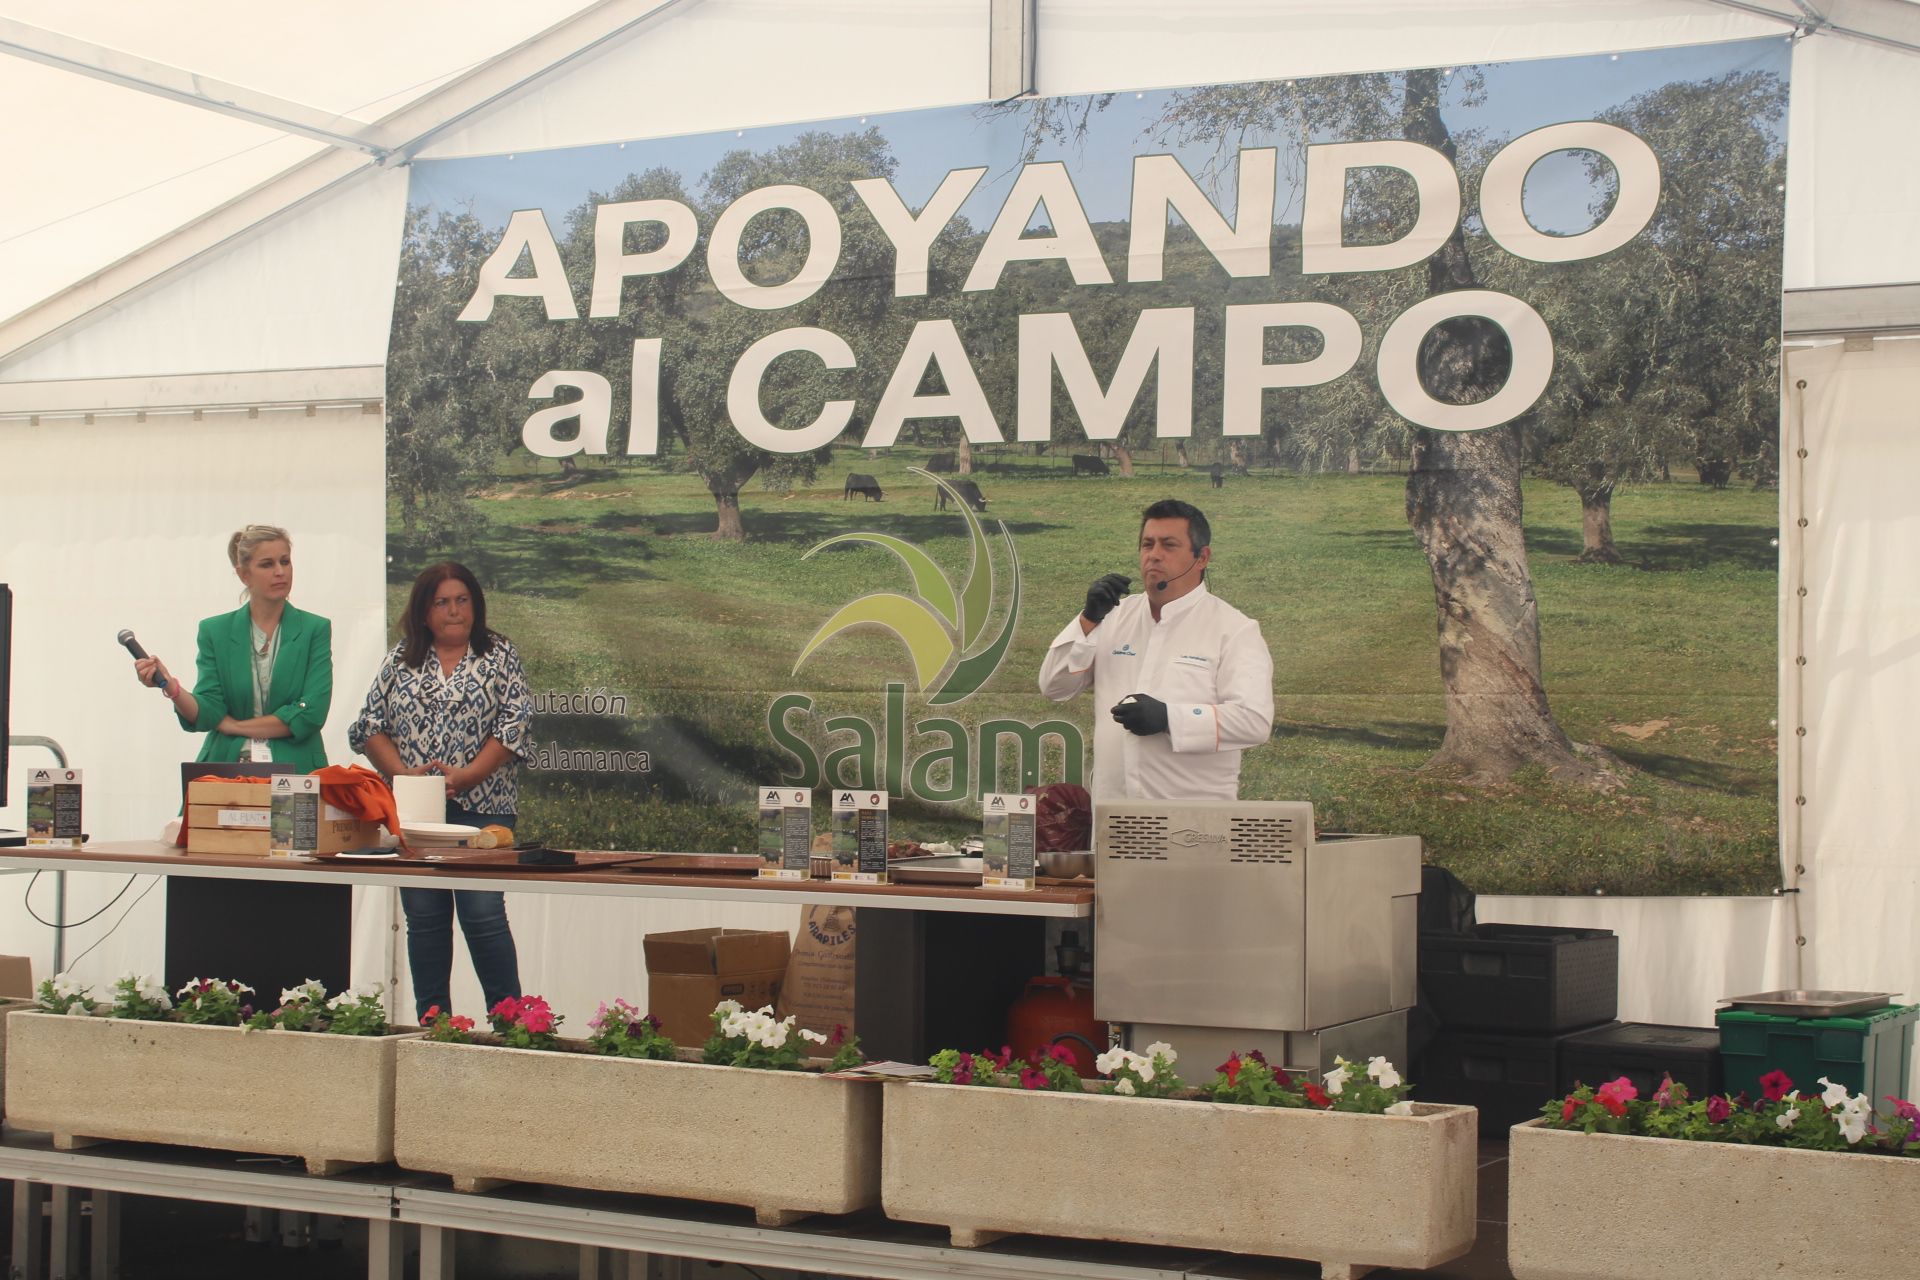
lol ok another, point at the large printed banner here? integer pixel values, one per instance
(783, 453)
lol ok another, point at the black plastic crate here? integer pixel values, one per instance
(1508, 1077)
(1520, 977)
(1643, 1053)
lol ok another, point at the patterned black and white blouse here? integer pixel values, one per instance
(431, 716)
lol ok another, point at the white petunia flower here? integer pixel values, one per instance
(1786, 1118)
(1853, 1117)
(727, 1007)
(1109, 1062)
(78, 1009)
(1383, 1073)
(814, 1036)
(1336, 1079)
(1161, 1049)
(1400, 1109)
(1835, 1095)
(1145, 1067)
(1124, 1086)
(63, 985)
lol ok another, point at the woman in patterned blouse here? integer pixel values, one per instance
(451, 699)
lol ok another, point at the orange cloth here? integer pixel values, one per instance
(361, 792)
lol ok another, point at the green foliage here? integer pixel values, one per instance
(1834, 1120)
(1141, 1075)
(61, 994)
(360, 1012)
(137, 997)
(1048, 1069)
(1250, 1080)
(525, 1022)
(446, 1027)
(752, 1039)
(212, 1002)
(621, 1031)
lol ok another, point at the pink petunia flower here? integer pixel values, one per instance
(1776, 1085)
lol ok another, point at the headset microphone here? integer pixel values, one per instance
(1164, 583)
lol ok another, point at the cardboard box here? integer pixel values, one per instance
(219, 791)
(303, 823)
(228, 817)
(255, 844)
(692, 970)
(16, 977)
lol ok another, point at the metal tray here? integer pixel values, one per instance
(952, 868)
(1811, 1004)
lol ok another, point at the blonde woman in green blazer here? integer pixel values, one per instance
(265, 671)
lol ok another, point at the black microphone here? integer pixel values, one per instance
(133, 647)
(1164, 583)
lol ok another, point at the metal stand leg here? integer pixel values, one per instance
(386, 1249)
(106, 1235)
(29, 1248)
(260, 1225)
(436, 1253)
(65, 1259)
(296, 1229)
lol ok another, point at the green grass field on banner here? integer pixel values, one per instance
(608, 580)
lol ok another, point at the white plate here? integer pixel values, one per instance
(437, 830)
(370, 853)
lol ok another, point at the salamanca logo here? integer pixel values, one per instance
(945, 634)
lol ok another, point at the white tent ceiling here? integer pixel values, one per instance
(103, 168)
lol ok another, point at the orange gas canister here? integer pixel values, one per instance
(1057, 1011)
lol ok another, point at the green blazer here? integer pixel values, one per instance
(300, 694)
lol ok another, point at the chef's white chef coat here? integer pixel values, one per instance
(1205, 659)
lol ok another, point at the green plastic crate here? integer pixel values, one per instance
(1869, 1052)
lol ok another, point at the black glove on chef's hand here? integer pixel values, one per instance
(1103, 595)
(1138, 713)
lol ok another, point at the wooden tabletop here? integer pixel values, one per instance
(150, 857)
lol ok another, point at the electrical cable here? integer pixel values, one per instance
(26, 900)
(117, 923)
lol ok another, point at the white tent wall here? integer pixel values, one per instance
(734, 63)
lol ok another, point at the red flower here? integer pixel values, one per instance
(1566, 1111)
(507, 1010)
(536, 1015)
(1064, 1053)
(426, 1019)
(1776, 1085)
(963, 1069)
(1316, 1095)
(1718, 1110)
(459, 1023)
(1258, 1057)
(1904, 1110)
(1032, 1078)
(839, 1033)
(1230, 1069)
(1002, 1058)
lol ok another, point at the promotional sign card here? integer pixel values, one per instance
(295, 821)
(1007, 831)
(860, 836)
(786, 833)
(53, 808)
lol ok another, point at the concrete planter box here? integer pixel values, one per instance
(1347, 1191)
(1604, 1207)
(7, 1007)
(327, 1099)
(783, 1143)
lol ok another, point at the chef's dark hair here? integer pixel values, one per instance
(1199, 532)
(416, 638)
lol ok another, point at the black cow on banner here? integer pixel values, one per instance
(1085, 464)
(942, 464)
(968, 490)
(864, 485)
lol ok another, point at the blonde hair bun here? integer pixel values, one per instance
(240, 546)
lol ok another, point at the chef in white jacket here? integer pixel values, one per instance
(1182, 681)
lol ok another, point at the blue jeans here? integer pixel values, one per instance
(483, 919)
